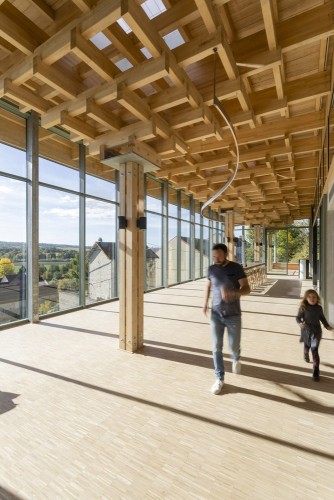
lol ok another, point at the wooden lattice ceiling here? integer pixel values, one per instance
(274, 78)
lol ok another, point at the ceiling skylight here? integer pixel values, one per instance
(124, 26)
(124, 64)
(100, 40)
(146, 52)
(174, 39)
(153, 8)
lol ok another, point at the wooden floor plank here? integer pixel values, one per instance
(91, 421)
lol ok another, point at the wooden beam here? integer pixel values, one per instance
(66, 86)
(136, 18)
(102, 116)
(79, 127)
(133, 103)
(92, 56)
(208, 14)
(25, 97)
(141, 130)
(44, 9)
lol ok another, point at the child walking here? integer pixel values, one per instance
(309, 316)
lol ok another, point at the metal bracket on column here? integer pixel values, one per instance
(122, 222)
(142, 222)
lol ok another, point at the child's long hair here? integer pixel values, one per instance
(304, 302)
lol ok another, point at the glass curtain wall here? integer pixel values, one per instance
(59, 200)
(185, 242)
(173, 237)
(101, 249)
(153, 245)
(13, 229)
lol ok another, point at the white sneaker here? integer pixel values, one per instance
(217, 386)
(236, 367)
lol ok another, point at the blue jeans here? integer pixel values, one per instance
(218, 324)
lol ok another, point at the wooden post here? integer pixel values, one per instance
(131, 258)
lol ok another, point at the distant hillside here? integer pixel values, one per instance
(19, 244)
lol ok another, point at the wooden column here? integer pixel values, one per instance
(131, 258)
(257, 238)
(229, 234)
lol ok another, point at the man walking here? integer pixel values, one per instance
(228, 282)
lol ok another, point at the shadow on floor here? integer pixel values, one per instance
(6, 402)
(259, 372)
(7, 495)
(288, 289)
(171, 409)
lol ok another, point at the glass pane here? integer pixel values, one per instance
(101, 251)
(58, 250)
(153, 251)
(277, 251)
(13, 258)
(101, 188)
(153, 195)
(198, 248)
(172, 251)
(185, 206)
(172, 202)
(12, 160)
(13, 144)
(59, 175)
(59, 161)
(185, 251)
(206, 249)
(197, 212)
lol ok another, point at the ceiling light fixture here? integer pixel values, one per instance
(222, 112)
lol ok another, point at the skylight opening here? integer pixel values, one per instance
(146, 52)
(124, 26)
(174, 39)
(153, 8)
(124, 64)
(100, 41)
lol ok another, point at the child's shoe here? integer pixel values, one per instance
(315, 375)
(306, 357)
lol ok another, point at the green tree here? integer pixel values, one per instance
(6, 267)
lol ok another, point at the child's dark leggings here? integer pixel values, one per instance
(315, 357)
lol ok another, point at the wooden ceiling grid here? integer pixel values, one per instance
(274, 78)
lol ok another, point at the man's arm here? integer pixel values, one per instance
(206, 297)
(244, 287)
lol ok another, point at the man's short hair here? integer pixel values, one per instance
(220, 246)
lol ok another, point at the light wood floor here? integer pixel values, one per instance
(92, 422)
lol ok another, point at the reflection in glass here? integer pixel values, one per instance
(58, 250)
(13, 257)
(206, 249)
(198, 248)
(153, 195)
(153, 254)
(172, 251)
(101, 251)
(172, 202)
(185, 251)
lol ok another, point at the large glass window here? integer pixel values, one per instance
(13, 257)
(58, 250)
(153, 254)
(101, 250)
(185, 251)
(172, 251)
(13, 228)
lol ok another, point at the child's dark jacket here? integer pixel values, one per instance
(311, 315)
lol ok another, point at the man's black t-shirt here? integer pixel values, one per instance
(227, 278)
